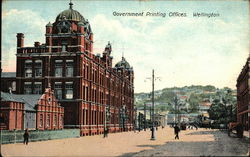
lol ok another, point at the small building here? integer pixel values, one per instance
(33, 111)
(243, 96)
(8, 82)
(204, 106)
(160, 119)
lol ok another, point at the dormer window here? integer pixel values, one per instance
(64, 26)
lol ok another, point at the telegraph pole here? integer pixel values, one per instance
(175, 106)
(153, 116)
(144, 116)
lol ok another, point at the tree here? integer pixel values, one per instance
(217, 110)
(194, 101)
(223, 108)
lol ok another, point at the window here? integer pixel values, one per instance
(64, 48)
(58, 90)
(38, 88)
(27, 88)
(64, 45)
(69, 90)
(61, 121)
(28, 68)
(69, 68)
(13, 86)
(58, 68)
(41, 120)
(55, 120)
(48, 120)
(38, 68)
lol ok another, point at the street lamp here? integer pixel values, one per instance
(153, 116)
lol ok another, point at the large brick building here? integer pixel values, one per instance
(243, 96)
(94, 93)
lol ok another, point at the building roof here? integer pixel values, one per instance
(122, 64)
(8, 74)
(205, 104)
(30, 100)
(70, 14)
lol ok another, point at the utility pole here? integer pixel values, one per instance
(175, 106)
(153, 116)
(144, 116)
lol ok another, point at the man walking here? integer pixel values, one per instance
(176, 131)
(26, 137)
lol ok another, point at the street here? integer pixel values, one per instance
(201, 142)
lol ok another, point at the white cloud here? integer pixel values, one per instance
(183, 51)
(19, 21)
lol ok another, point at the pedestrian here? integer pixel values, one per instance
(105, 134)
(176, 131)
(26, 136)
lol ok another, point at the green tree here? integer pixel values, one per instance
(194, 101)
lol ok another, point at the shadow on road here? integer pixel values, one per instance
(221, 145)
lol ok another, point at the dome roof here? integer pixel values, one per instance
(70, 14)
(122, 64)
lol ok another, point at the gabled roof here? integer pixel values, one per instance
(30, 100)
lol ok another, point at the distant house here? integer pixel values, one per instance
(8, 82)
(204, 107)
(33, 111)
(160, 119)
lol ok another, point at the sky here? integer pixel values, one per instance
(182, 51)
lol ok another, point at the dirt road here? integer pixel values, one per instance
(192, 142)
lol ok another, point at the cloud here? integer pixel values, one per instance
(183, 51)
(19, 21)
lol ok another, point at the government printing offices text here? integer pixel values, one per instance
(163, 14)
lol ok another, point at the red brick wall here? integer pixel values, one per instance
(49, 112)
(92, 87)
(13, 113)
(243, 96)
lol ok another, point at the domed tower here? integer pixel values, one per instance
(124, 68)
(70, 31)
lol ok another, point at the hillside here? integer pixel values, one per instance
(189, 97)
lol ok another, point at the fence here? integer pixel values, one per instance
(7, 137)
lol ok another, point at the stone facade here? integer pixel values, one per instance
(243, 96)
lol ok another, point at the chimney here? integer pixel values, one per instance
(36, 44)
(20, 39)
